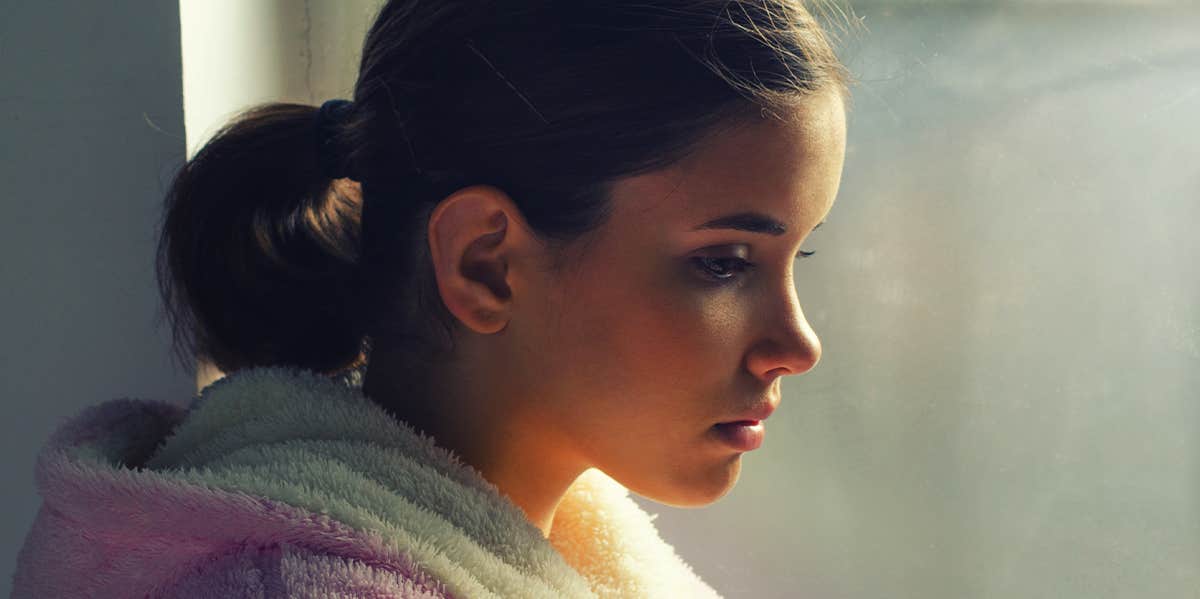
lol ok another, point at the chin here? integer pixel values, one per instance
(693, 489)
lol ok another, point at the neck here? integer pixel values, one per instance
(478, 418)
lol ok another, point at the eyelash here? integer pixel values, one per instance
(742, 265)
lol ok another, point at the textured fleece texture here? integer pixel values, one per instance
(278, 482)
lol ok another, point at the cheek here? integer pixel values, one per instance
(655, 335)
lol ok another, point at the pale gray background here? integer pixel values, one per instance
(1006, 292)
(92, 130)
(1008, 297)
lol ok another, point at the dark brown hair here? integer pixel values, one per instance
(263, 260)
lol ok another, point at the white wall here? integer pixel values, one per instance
(238, 53)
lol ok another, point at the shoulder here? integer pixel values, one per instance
(285, 570)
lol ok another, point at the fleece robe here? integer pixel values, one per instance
(279, 482)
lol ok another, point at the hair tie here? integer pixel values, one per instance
(329, 118)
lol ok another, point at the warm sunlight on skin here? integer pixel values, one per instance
(626, 359)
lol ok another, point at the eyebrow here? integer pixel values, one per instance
(754, 222)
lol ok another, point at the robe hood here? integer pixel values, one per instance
(141, 497)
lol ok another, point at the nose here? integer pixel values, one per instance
(788, 344)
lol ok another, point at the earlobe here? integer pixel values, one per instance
(472, 243)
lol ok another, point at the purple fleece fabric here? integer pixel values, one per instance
(127, 532)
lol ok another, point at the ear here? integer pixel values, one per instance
(479, 244)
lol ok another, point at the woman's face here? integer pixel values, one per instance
(659, 328)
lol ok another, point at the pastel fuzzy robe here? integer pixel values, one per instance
(280, 482)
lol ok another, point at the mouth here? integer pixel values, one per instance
(741, 435)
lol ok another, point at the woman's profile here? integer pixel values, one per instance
(543, 257)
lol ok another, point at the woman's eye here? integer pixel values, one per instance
(725, 268)
(721, 268)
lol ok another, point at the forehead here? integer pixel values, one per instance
(788, 169)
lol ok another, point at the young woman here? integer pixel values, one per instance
(544, 257)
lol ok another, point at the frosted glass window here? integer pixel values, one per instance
(1007, 292)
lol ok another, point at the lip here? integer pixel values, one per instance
(742, 436)
(757, 414)
(746, 431)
